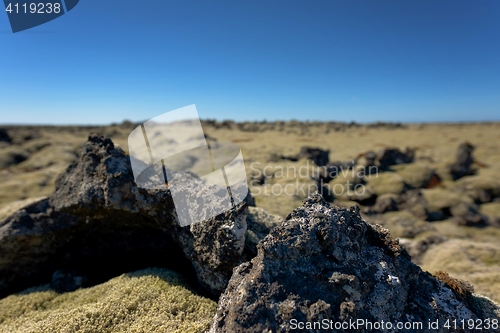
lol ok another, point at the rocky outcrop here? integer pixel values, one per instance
(98, 224)
(326, 263)
(463, 163)
(4, 136)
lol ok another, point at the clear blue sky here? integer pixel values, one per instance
(401, 60)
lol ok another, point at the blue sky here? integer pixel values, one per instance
(402, 60)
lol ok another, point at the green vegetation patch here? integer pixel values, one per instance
(151, 300)
(478, 263)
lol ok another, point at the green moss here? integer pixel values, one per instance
(386, 182)
(478, 263)
(491, 209)
(416, 175)
(401, 224)
(441, 198)
(151, 300)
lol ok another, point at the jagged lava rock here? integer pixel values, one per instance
(99, 224)
(325, 262)
(259, 224)
(103, 180)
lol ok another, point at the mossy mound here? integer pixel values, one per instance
(11, 156)
(416, 175)
(386, 182)
(478, 263)
(402, 224)
(492, 210)
(151, 300)
(482, 188)
(441, 198)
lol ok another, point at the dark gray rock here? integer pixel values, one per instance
(393, 156)
(30, 243)
(100, 224)
(259, 225)
(463, 163)
(250, 200)
(326, 263)
(4, 136)
(317, 155)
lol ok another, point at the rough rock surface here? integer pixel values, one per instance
(98, 224)
(259, 224)
(327, 263)
(30, 243)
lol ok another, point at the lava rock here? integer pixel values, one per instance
(317, 155)
(392, 156)
(259, 224)
(100, 223)
(463, 163)
(4, 136)
(29, 244)
(326, 263)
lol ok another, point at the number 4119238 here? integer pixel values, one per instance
(34, 8)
